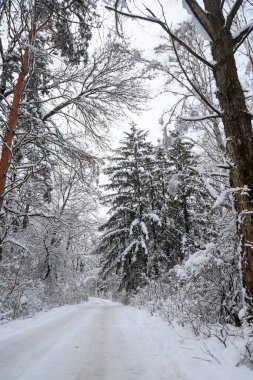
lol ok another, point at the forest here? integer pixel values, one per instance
(164, 224)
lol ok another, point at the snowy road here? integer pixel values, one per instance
(102, 340)
(98, 340)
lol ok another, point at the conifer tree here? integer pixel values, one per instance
(187, 204)
(158, 209)
(127, 233)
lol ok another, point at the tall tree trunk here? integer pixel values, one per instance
(12, 123)
(26, 218)
(238, 130)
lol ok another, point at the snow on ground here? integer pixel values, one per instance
(103, 340)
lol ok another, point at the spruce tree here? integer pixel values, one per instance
(188, 204)
(126, 238)
(158, 209)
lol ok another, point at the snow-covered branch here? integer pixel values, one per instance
(166, 29)
(200, 118)
(233, 12)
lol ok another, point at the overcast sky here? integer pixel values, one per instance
(146, 36)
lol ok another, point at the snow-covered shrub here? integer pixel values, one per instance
(41, 268)
(204, 289)
(21, 288)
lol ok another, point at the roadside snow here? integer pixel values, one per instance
(108, 341)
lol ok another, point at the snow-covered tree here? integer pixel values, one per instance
(158, 209)
(130, 228)
(50, 261)
(216, 21)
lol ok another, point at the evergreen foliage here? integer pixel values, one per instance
(157, 204)
(126, 238)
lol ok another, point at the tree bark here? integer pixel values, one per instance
(6, 153)
(238, 130)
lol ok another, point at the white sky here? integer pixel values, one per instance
(146, 36)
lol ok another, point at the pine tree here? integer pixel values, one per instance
(187, 202)
(127, 233)
(158, 209)
(159, 196)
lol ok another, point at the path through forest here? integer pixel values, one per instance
(102, 340)
(97, 340)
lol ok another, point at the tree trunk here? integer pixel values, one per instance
(239, 135)
(26, 218)
(12, 123)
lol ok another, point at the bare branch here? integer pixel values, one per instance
(233, 12)
(243, 35)
(201, 118)
(222, 4)
(165, 27)
(203, 98)
(201, 16)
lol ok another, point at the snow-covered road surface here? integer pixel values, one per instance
(102, 340)
(91, 341)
